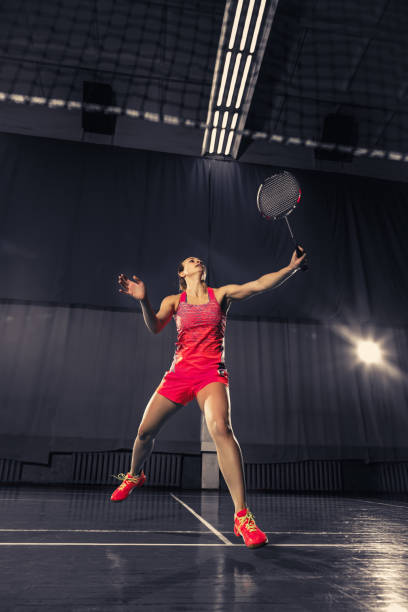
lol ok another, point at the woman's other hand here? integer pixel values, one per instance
(136, 288)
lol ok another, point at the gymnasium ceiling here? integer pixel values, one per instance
(323, 57)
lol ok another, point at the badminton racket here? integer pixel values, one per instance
(277, 197)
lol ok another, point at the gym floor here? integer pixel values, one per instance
(70, 548)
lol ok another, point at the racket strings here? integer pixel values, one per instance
(278, 195)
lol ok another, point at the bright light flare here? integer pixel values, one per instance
(369, 352)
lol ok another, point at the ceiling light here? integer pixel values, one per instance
(224, 78)
(246, 26)
(212, 143)
(234, 78)
(235, 25)
(221, 142)
(225, 119)
(229, 142)
(236, 71)
(243, 81)
(257, 26)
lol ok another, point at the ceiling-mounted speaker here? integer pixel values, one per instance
(97, 121)
(342, 130)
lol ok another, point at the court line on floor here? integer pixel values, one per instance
(206, 523)
(369, 501)
(76, 498)
(70, 495)
(13, 530)
(274, 496)
(43, 499)
(110, 544)
(179, 531)
(363, 547)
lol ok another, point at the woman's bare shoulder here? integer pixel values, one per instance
(174, 300)
(219, 293)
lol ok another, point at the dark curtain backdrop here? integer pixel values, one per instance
(78, 364)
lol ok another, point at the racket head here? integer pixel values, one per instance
(278, 195)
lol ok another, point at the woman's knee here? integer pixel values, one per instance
(145, 435)
(219, 428)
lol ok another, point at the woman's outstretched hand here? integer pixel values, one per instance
(136, 289)
(296, 261)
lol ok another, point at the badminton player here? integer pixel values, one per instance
(198, 370)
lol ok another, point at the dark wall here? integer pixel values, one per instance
(78, 364)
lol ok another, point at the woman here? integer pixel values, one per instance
(198, 370)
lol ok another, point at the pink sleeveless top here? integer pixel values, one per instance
(200, 334)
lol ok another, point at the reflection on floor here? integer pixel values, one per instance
(70, 548)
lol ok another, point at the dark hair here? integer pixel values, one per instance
(182, 281)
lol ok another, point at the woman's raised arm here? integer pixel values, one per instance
(265, 282)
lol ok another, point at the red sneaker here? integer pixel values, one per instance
(244, 525)
(129, 483)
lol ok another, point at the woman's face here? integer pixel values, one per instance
(193, 266)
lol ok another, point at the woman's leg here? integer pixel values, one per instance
(214, 402)
(157, 412)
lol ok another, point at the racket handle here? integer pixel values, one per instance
(303, 265)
